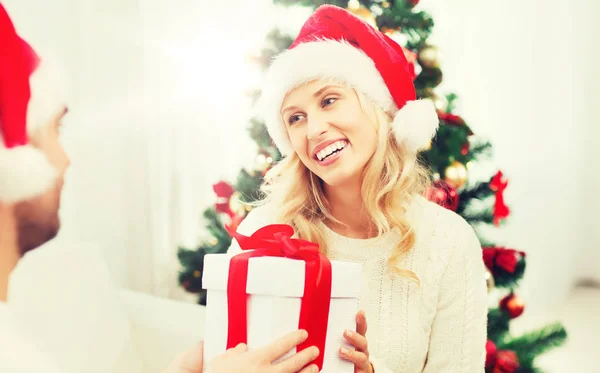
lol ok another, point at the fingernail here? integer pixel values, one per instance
(304, 334)
(314, 369)
(349, 333)
(344, 350)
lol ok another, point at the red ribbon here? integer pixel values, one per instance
(498, 184)
(275, 240)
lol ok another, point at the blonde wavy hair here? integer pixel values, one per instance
(389, 181)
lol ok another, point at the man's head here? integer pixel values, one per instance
(32, 160)
(37, 217)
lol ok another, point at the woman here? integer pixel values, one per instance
(340, 105)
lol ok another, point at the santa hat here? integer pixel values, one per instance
(334, 44)
(26, 103)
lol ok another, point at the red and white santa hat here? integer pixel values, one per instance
(27, 102)
(335, 44)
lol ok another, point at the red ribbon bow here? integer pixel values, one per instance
(275, 240)
(498, 184)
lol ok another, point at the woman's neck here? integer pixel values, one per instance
(347, 206)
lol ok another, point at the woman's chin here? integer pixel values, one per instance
(339, 178)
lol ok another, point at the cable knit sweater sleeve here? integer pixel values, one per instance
(458, 333)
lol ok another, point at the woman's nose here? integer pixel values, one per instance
(317, 127)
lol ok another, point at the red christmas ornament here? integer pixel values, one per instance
(413, 3)
(454, 120)
(465, 149)
(224, 191)
(490, 354)
(506, 362)
(501, 258)
(498, 184)
(513, 305)
(443, 194)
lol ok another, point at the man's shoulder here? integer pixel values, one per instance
(19, 354)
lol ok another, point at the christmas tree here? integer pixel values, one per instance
(455, 147)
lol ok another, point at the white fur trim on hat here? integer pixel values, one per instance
(415, 124)
(322, 59)
(26, 173)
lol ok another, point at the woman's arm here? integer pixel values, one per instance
(459, 330)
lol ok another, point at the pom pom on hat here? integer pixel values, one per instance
(415, 124)
(25, 105)
(335, 44)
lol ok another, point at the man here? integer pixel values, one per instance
(32, 168)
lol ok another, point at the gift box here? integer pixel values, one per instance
(275, 287)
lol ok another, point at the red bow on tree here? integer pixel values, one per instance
(498, 184)
(224, 191)
(275, 240)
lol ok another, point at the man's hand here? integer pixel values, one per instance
(189, 361)
(239, 359)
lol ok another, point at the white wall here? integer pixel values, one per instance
(589, 262)
(518, 67)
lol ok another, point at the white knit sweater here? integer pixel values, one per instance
(435, 328)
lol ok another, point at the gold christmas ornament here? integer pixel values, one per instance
(263, 162)
(429, 57)
(362, 13)
(428, 146)
(456, 175)
(439, 102)
(236, 205)
(388, 31)
(489, 280)
(261, 159)
(197, 274)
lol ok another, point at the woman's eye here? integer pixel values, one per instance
(328, 101)
(294, 118)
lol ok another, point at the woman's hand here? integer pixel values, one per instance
(360, 356)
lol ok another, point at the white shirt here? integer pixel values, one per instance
(438, 327)
(18, 353)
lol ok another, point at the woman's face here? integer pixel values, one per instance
(329, 131)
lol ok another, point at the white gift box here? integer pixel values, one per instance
(275, 287)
